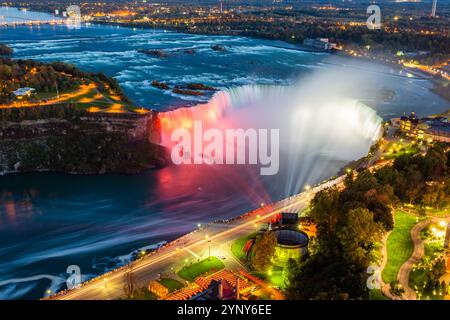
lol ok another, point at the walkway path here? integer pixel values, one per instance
(417, 255)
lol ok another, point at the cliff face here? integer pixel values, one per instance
(86, 143)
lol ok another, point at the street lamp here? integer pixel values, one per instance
(209, 248)
(209, 245)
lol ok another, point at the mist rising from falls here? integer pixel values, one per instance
(321, 127)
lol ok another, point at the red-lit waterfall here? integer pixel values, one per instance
(318, 133)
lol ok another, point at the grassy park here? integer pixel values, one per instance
(206, 266)
(399, 245)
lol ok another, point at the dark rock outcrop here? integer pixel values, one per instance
(154, 52)
(218, 47)
(160, 85)
(83, 144)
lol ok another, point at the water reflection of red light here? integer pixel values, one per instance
(185, 179)
(165, 123)
(10, 208)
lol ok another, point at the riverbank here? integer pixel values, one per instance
(289, 45)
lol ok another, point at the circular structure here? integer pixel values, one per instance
(291, 238)
(291, 244)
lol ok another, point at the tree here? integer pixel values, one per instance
(289, 271)
(325, 212)
(263, 251)
(326, 278)
(129, 282)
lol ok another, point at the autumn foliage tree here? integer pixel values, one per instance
(263, 251)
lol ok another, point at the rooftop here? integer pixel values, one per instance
(23, 91)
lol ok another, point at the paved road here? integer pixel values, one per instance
(188, 248)
(191, 247)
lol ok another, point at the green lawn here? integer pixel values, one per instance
(171, 284)
(238, 245)
(53, 94)
(376, 294)
(208, 265)
(399, 245)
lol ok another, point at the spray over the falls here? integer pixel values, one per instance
(321, 126)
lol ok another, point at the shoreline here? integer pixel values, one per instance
(183, 241)
(289, 46)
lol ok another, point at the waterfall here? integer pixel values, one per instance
(318, 130)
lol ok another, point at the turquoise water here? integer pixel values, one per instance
(49, 221)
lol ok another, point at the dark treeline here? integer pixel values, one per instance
(296, 33)
(66, 112)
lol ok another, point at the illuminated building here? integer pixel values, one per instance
(438, 133)
(291, 244)
(429, 129)
(319, 44)
(24, 92)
